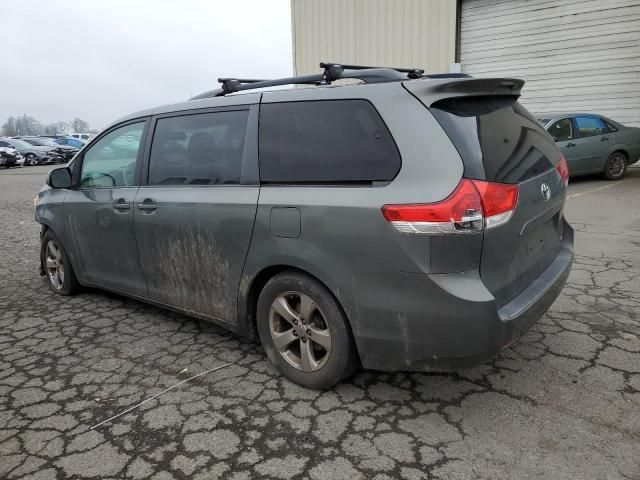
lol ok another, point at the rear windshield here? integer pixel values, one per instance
(497, 138)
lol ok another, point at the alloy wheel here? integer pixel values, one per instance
(299, 331)
(616, 166)
(55, 265)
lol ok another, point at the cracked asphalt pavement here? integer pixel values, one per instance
(564, 403)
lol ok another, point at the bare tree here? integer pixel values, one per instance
(9, 127)
(56, 128)
(27, 125)
(78, 125)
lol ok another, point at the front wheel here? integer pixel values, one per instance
(57, 267)
(304, 331)
(616, 166)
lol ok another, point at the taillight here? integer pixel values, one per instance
(499, 200)
(563, 169)
(473, 205)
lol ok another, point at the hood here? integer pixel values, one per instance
(40, 148)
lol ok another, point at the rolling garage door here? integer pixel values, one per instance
(574, 55)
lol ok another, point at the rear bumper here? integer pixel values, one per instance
(445, 322)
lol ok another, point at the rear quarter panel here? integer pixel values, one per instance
(628, 139)
(343, 235)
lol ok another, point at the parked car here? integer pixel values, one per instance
(66, 152)
(594, 143)
(82, 136)
(396, 224)
(10, 157)
(33, 154)
(70, 142)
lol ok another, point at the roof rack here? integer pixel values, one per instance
(332, 72)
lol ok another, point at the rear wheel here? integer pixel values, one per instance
(304, 331)
(57, 267)
(616, 166)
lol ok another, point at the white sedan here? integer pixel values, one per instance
(10, 157)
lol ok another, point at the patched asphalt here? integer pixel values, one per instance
(564, 403)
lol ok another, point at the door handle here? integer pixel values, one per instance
(569, 145)
(121, 204)
(604, 139)
(147, 205)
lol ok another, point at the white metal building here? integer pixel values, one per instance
(574, 55)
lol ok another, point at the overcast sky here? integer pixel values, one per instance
(99, 60)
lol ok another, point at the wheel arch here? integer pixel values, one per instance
(249, 293)
(617, 149)
(622, 151)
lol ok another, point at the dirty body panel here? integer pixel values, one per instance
(343, 235)
(194, 222)
(414, 301)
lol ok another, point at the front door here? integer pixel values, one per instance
(99, 210)
(563, 134)
(194, 218)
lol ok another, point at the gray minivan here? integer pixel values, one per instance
(405, 222)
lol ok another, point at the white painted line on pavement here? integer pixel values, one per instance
(158, 394)
(579, 194)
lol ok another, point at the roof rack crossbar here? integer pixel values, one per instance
(243, 80)
(332, 72)
(411, 71)
(231, 85)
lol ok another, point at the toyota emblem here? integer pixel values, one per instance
(546, 192)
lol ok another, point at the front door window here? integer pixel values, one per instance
(111, 162)
(561, 130)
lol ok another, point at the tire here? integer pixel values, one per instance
(318, 328)
(616, 166)
(57, 267)
(30, 159)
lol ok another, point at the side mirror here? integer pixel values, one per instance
(59, 178)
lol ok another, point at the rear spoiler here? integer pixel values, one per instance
(430, 91)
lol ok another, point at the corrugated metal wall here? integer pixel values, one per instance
(397, 33)
(574, 55)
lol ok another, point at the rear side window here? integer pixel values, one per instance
(201, 149)
(590, 126)
(497, 138)
(324, 142)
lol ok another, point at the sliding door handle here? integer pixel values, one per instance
(147, 205)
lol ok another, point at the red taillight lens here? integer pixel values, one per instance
(473, 205)
(563, 169)
(497, 198)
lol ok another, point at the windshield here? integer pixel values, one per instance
(43, 142)
(19, 143)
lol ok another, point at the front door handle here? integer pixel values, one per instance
(121, 204)
(147, 205)
(569, 145)
(603, 139)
